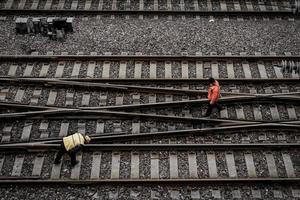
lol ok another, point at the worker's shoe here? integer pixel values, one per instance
(76, 162)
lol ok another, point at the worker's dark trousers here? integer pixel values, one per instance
(211, 107)
(62, 151)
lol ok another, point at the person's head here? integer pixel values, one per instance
(87, 139)
(211, 81)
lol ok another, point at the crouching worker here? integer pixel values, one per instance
(71, 145)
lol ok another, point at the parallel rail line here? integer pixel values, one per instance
(15, 58)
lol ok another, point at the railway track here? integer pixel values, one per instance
(145, 7)
(162, 161)
(144, 112)
(147, 67)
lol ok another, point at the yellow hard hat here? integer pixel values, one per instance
(87, 138)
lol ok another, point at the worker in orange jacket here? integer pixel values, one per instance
(213, 96)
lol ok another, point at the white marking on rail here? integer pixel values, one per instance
(64, 127)
(256, 194)
(69, 98)
(246, 69)
(274, 5)
(257, 112)
(291, 112)
(44, 70)
(85, 99)
(223, 5)
(106, 69)
(28, 69)
(74, 4)
(209, 5)
(249, 5)
(240, 112)
(61, 4)
(2, 157)
(21, 4)
(182, 8)
(192, 165)
(288, 164)
(154, 165)
(212, 166)
(87, 5)
(135, 169)
(215, 70)
(236, 194)
(230, 70)
(43, 128)
(119, 99)
(60, 69)
(55, 172)
(19, 95)
(173, 165)
(18, 164)
(277, 194)
(37, 166)
(230, 164)
(76, 69)
(75, 173)
(95, 172)
(100, 6)
(237, 5)
(12, 70)
(100, 127)
(262, 5)
(48, 5)
(122, 70)
(262, 70)
(137, 69)
(196, 5)
(169, 5)
(153, 68)
(224, 112)
(274, 112)
(35, 97)
(26, 131)
(168, 70)
(9, 4)
(271, 164)
(296, 193)
(174, 194)
(136, 127)
(115, 163)
(216, 193)
(6, 133)
(250, 165)
(195, 194)
(199, 69)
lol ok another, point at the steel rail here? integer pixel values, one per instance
(205, 181)
(189, 80)
(99, 114)
(15, 58)
(228, 100)
(112, 137)
(149, 147)
(132, 88)
(198, 12)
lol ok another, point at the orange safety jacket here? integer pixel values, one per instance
(214, 92)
